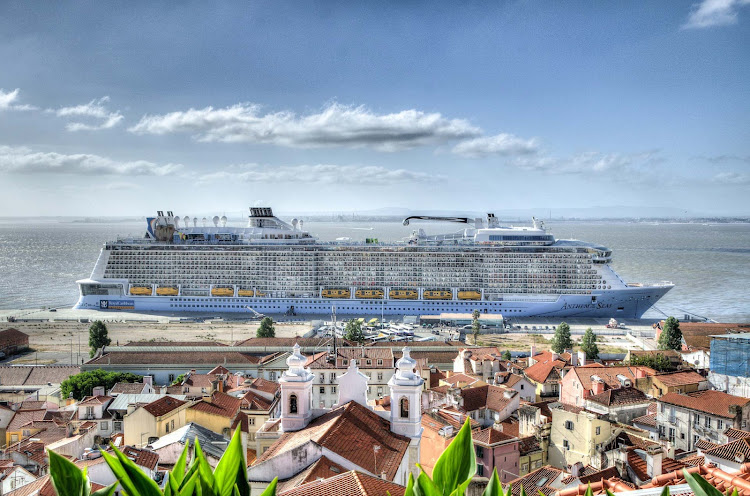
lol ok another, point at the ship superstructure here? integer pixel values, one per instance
(271, 266)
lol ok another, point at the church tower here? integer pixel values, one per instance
(296, 393)
(406, 398)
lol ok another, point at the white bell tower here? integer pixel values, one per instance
(406, 398)
(296, 393)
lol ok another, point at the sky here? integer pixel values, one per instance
(123, 108)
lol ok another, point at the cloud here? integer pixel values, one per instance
(95, 110)
(709, 13)
(23, 160)
(320, 173)
(627, 165)
(501, 144)
(734, 178)
(7, 100)
(335, 125)
(722, 159)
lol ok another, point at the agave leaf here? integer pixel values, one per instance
(494, 488)
(106, 491)
(699, 485)
(189, 484)
(207, 475)
(271, 489)
(409, 486)
(665, 491)
(523, 491)
(119, 471)
(178, 472)
(144, 484)
(425, 486)
(588, 492)
(66, 478)
(457, 464)
(232, 470)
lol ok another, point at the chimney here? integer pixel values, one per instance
(639, 373)
(581, 358)
(555, 356)
(654, 456)
(148, 379)
(531, 356)
(98, 391)
(597, 385)
(131, 409)
(573, 359)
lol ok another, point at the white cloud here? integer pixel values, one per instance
(500, 144)
(709, 13)
(320, 173)
(735, 178)
(626, 165)
(8, 99)
(23, 160)
(335, 125)
(95, 110)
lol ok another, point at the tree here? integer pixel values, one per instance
(561, 340)
(353, 331)
(657, 361)
(82, 384)
(266, 329)
(671, 335)
(98, 336)
(506, 355)
(178, 380)
(475, 327)
(588, 345)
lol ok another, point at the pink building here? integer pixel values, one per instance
(495, 449)
(581, 382)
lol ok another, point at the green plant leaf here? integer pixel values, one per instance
(523, 491)
(494, 488)
(122, 477)
(457, 464)
(189, 484)
(207, 475)
(409, 486)
(144, 485)
(106, 491)
(588, 492)
(232, 469)
(665, 491)
(66, 478)
(271, 489)
(699, 485)
(178, 472)
(425, 486)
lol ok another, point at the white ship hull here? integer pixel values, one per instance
(631, 302)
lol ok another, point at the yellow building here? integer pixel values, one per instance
(154, 420)
(532, 456)
(217, 412)
(684, 381)
(577, 435)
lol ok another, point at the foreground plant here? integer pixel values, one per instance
(229, 478)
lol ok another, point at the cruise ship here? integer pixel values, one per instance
(275, 267)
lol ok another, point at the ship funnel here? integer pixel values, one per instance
(195, 221)
(300, 224)
(204, 221)
(177, 221)
(223, 221)
(295, 223)
(216, 220)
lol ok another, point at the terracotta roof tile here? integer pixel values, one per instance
(738, 450)
(607, 374)
(253, 401)
(545, 370)
(350, 431)
(24, 417)
(353, 483)
(490, 436)
(474, 397)
(718, 478)
(127, 388)
(221, 404)
(712, 402)
(321, 469)
(263, 385)
(732, 433)
(12, 336)
(206, 358)
(693, 461)
(142, 457)
(527, 445)
(638, 464)
(200, 380)
(705, 445)
(220, 369)
(95, 400)
(620, 396)
(681, 378)
(539, 480)
(459, 378)
(162, 406)
(649, 420)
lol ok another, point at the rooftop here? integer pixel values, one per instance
(711, 402)
(163, 405)
(352, 483)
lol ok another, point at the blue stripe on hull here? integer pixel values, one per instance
(624, 303)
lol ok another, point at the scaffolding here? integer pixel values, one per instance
(730, 354)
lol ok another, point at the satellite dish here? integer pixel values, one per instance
(216, 220)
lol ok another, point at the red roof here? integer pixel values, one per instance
(221, 404)
(142, 457)
(639, 465)
(263, 385)
(721, 480)
(353, 483)
(164, 405)
(542, 371)
(681, 378)
(711, 402)
(732, 451)
(490, 436)
(321, 469)
(350, 431)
